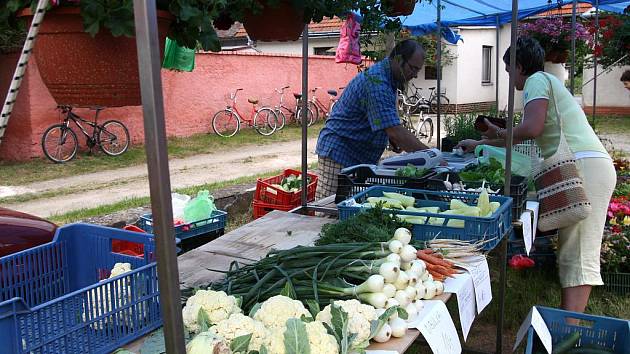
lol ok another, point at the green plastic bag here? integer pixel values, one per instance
(199, 208)
(178, 58)
(521, 164)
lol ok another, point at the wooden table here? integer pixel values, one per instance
(251, 242)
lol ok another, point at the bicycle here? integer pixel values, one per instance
(227, 122)
(423, 127)
(320, 107)
(60, 143)
(296, 114)
(417, 96)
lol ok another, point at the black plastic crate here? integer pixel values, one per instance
(200, 240)
(542, 251)
(518, 189)
(355, 180)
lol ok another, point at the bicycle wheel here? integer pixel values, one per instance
(226, 123)
(309, 114)
(113, 138)
(282, 119)
(265, 121)
(425, 132)
(332, 104)
(444, 101)
(60, 143)
(316, 112)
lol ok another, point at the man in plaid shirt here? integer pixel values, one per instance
(365, 118)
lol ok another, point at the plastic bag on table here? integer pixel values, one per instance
(199, 208)
(521, 164)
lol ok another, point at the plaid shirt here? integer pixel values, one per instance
(354, 133)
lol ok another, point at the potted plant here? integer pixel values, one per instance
(459, 127)
(85, 50)
(613, 40)
(554, 35)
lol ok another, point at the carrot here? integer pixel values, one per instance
(439, 269)
(426, 251)
(434, 260)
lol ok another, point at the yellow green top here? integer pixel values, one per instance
(577, 131)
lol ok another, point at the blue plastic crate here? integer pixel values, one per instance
(215, 222)
(492, 229)
(612, 333)
(52, 299)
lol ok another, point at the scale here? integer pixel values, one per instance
(426, 159)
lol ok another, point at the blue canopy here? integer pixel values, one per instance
(485, 12)
(618, 8)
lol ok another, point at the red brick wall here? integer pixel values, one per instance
(190, 99)
(607, 111)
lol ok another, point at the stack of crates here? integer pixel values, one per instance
(269, 197)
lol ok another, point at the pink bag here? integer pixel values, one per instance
(349, 50)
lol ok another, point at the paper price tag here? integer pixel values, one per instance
(480, 273)
(528, 236)
(535, 320)
(438, 329)
(462, 286)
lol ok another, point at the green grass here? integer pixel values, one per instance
(16, 174)
(611, 124)
(129, 203)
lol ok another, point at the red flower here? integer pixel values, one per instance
(598, 51)
(616, 229)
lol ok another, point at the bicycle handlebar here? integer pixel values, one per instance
(281, 90)
(315, 89)
(233, 95)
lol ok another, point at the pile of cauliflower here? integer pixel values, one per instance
(267, 326)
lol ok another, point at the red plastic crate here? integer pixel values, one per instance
(269, 194)
(262, 208)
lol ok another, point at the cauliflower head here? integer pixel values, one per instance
(207, 342)
(239, 325)
(216, 304)
(319, 340)
(360, 317)
(278, 309)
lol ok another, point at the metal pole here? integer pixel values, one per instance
(508, 164)
(595, 61)
(573, 26)
(438, 48)
(147, 42)
(496, 79)
(18, 74)
(304, 114)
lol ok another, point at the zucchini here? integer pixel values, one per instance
(566, 343)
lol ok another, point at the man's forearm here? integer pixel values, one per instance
(404, 139)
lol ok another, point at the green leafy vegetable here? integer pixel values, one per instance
(296, 338)
(493, 172)
(411, 171)
(240, 343)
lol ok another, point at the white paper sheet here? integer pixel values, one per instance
(462, 286)
(481, 281)
(438, 329)
(528, 236)
(534, 207)
(535, 320)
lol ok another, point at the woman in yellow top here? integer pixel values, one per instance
(579, 244)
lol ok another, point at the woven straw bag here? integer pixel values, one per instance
(559, 187)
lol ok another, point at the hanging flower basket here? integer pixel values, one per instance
(223, 22)
(557, 56)
(281, 23)
(395, 8)
(85, 71)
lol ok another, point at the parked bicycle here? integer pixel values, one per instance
(60, 143)
(227, 122)
(421, 127)
(294, 114)
(318, 107)
(417, 96)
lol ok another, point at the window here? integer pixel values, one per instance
(486, 63)
(430, 72)
(330, 51)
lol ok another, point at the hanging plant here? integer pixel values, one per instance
(554, 34)
(613, 40)
(398, 7)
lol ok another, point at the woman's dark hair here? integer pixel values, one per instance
(625, 76)
(405, 49)
(529, 55)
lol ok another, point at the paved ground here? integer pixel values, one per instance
(107, 187)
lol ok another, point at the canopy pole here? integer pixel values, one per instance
(573, 27)
(304, 114)
(496, 79)
(438, 70)
(595, 61)
(159, 179)
(508, 168)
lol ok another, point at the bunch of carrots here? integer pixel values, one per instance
(437, 266)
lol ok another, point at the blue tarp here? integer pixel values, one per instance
(483, 12)
(618, 8)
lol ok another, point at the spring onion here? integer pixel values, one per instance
(389, 271)
(402, 298)
(399, 327)
(384, 334)
(394, 258)
(389, 290)
(431, 290)
(412, 312)
(403, 235)
(395, 246)
(408, 253)
(378, 300)
(412, 292)
(418, 267)
(402, 281)
(420, 290)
